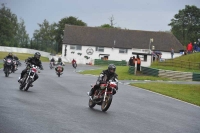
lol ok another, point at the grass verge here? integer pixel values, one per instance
(185, 92)
(23, 56)
(123, 74)
(174, 68)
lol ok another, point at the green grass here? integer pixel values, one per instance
(195, 58)
(22, 56)
(174, 68)
(123, 74)
(185, 92)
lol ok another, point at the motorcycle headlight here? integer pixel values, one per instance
(102, 86)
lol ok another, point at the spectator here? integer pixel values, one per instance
(172, 53)
(134, 60)
(138, 63)
(130, 61)
(189, 48)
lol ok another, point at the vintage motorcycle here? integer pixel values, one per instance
(16, 65)
(59, 70)
(74, 65)
(28, 77)
(104, 95)
(51, 64)
(8, 67)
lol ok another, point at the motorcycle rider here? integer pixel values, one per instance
(52, 60)
(9, 56)
(32, 61)
(59, 63)
(109, 73)
(73, 61)
(16, 59)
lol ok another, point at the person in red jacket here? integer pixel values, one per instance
(74, 63)
(189, 48)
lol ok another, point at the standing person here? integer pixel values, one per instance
(134, 60)
(138, 63)
(130, 61)
(172, 53)
(189, 48)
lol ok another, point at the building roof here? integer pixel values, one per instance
(119, 38)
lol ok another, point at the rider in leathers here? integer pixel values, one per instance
(10, 56)
(110, 74)
(32, 61)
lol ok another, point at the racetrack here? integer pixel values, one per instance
(60, 105)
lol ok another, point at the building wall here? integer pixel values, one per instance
(113, 55)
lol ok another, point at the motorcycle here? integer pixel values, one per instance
(8, 67)
(28, 77)
(59, 70)
(74, 65)
(51, 65)
(104, 95)
(16, 66)
(19, 63)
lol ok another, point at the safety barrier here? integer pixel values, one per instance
(171, 74)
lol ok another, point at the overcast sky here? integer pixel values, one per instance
(149, 15)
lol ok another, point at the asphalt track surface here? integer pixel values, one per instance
(60, 105)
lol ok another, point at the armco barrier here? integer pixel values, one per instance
(107, 62)
(171, 74)
(149, 71)
(131, 70)
(23, 50)
(196, 77)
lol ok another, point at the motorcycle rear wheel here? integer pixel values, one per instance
(106, 104)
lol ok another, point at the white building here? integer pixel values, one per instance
(81, 42)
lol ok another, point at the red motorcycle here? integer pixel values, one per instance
(59, 70)
(104, 95)
(28, 77)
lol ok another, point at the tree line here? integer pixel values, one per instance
(48, 37)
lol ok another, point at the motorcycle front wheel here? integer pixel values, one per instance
(6, 72)
(106, 104)
(91, 103)
(27, 85)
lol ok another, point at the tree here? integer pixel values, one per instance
(8, 27)
(186, 24)
(44, 37)
(61, 26)
(22, 36)
(106, 26)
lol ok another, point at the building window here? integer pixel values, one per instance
(72, 47)
(123, 50)
(76, 47)
(100, 49)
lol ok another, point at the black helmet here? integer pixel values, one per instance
(37, 55)
(111, 68)
(59, 59)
